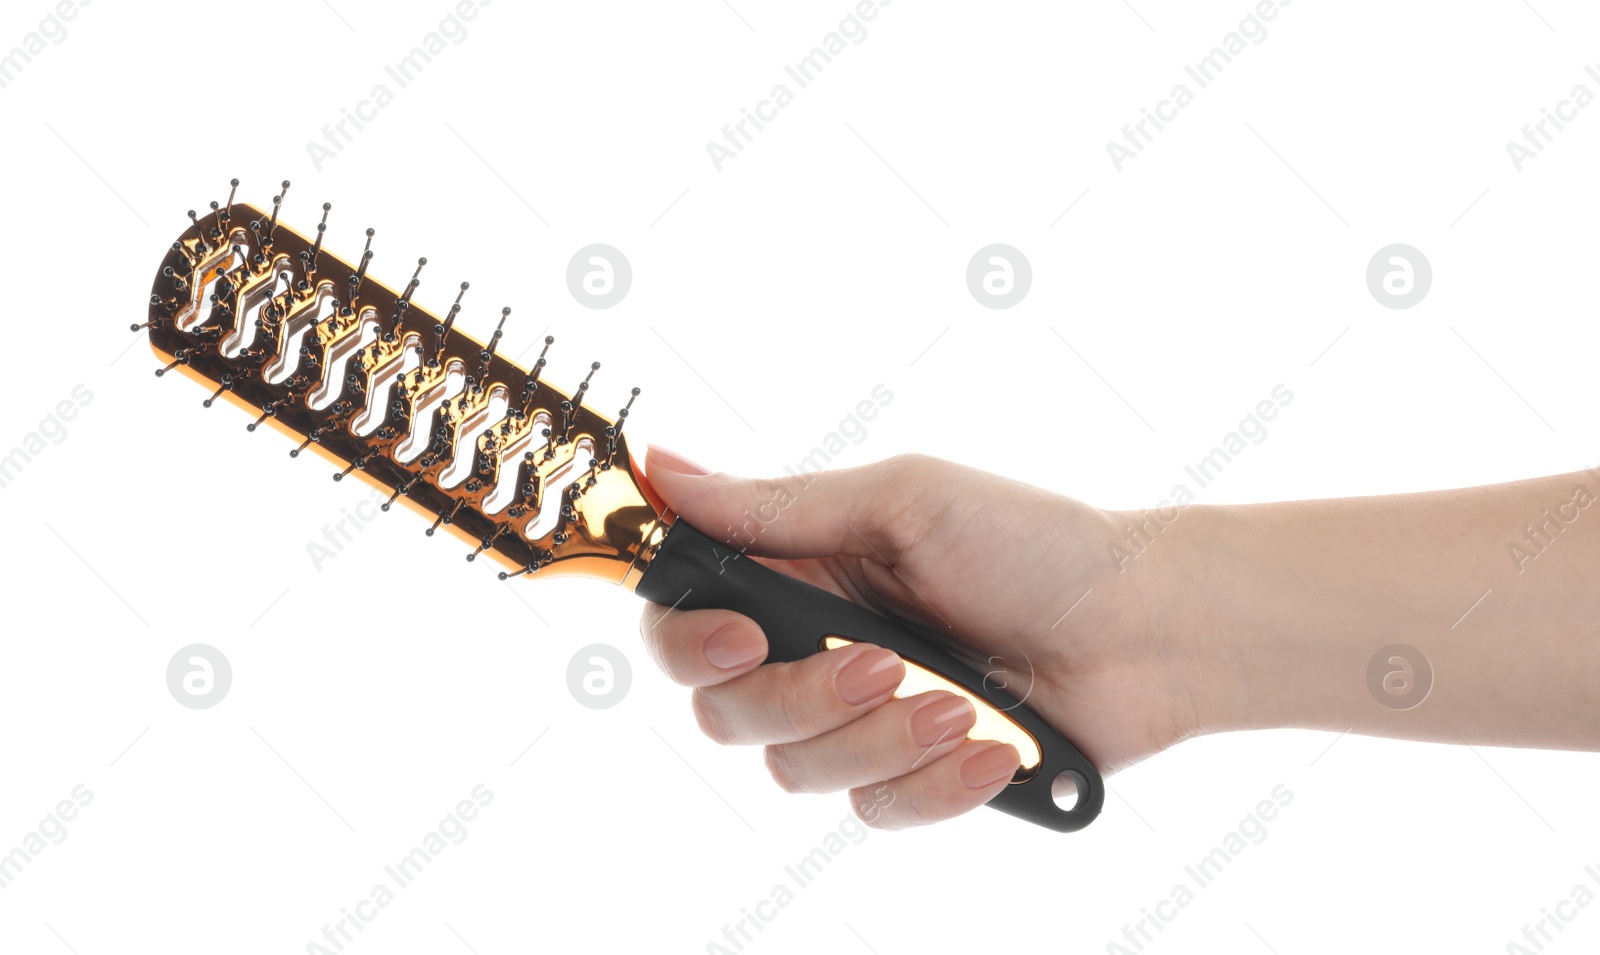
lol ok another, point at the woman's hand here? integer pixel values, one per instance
(1020, 575)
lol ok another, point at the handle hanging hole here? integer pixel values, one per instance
(1067, 789)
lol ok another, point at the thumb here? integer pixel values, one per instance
(872, 512)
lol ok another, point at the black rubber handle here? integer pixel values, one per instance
(693, 572)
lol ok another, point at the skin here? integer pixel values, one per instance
(1229, 618)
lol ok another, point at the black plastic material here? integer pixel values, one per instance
(694, 572)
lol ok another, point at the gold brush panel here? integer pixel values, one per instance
(306, 341)
(992, 723)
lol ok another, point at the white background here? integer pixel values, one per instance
(372, 694)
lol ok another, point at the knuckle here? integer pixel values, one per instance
(780, 766)
(793, 700)
(907, 462)
(872, 820)
(916, 473)
(870, 806)
(673, 642)
(660, 640)
(712, 717)
(767, 488)
(913, 493)
(915, 808)
(655, 648)
(899, 472)
(914, 813)
(649, 620)
(866, 760)
(920, 814)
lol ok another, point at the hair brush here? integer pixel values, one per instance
(532, 477)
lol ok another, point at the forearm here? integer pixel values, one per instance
(1296, 599)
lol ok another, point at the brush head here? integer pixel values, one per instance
(529, 475)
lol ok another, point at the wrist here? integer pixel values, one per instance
(1233, 625)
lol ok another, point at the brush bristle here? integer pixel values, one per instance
(529, 474)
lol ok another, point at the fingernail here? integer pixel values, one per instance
(734, 645)
(672, 461)
(869, 676)
(989, 765)
(941, 720)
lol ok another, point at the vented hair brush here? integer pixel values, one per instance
(532, 477)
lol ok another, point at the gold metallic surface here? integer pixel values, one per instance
(992, 722)
(274, 300)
